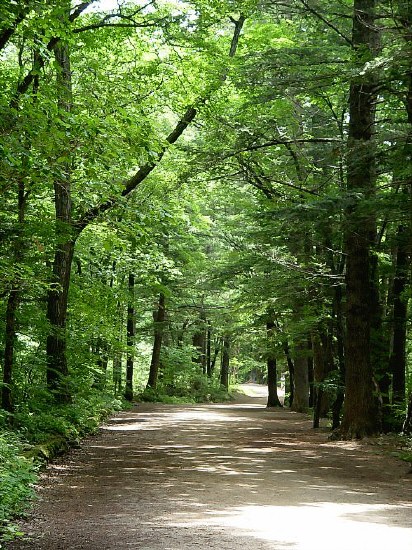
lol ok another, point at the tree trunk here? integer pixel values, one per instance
(273, 398)
(361, 413)
(215, 355)
(10, 337)
(311, 373)
(159, 317)
(407, 425)
(340, 351)
(323, 365)
(13, 304)
(301, 379)
(117, 373)
(224, 368)
(199, 342)
(397, 361)
(291, 369)
(209, 349)
(57, 299)
(56, 346)
(319, 375)
(398, 356)
(131, 333)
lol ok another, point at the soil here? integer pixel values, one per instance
(221, 476)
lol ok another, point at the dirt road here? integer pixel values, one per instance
(221, 477)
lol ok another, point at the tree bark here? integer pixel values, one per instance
(361, 413)
(224, 368)
(159, 318)
(199, 341)
(311, 373)
(399, 336)
(57, 299)
(131, 333)
(273, 398)
(215, 355)
(209, 349)
(407, 425)
(291, 369)
(323, 365)
(117, 373)
(13, 301)
(397, 361)
(301, 379)
(10, 337)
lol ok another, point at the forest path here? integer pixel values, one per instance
(220, 477)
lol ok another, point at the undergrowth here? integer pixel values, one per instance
(192, 390)
(41, 430)
(17, 478)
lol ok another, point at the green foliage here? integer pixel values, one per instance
(41, 420)
(17, 478)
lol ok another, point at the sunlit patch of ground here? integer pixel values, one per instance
(319, 526)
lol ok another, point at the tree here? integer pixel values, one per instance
(273, 398)
(361, 415)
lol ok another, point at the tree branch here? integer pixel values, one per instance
(132, 183)
(31, 75)
(285, 142)
(116, 25)
(131, 23)
(328, 23)
(7, 33)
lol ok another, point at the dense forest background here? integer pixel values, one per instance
(196, 193)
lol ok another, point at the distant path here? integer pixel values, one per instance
(218, 477)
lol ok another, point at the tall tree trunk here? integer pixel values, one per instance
(159, 318)
(10, 337)
(323, 365)
(209, 349)
(361, 414)
(397, 361)
(57, 299)
(224, 368)
(319, 374)
(301, 379)
(131, 333)
(15, 292)
(340, 338)
(405, 241)
(199, 341)
(311, 373)
(117, 373)
(407, 425)
(273, 398)
(215, 356)
(12, 307)
(291, 369)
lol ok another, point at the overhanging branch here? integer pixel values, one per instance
(132, 183)
(25, 84)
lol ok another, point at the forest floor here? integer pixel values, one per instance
(220, 477)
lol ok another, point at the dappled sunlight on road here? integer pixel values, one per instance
(317, 526)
